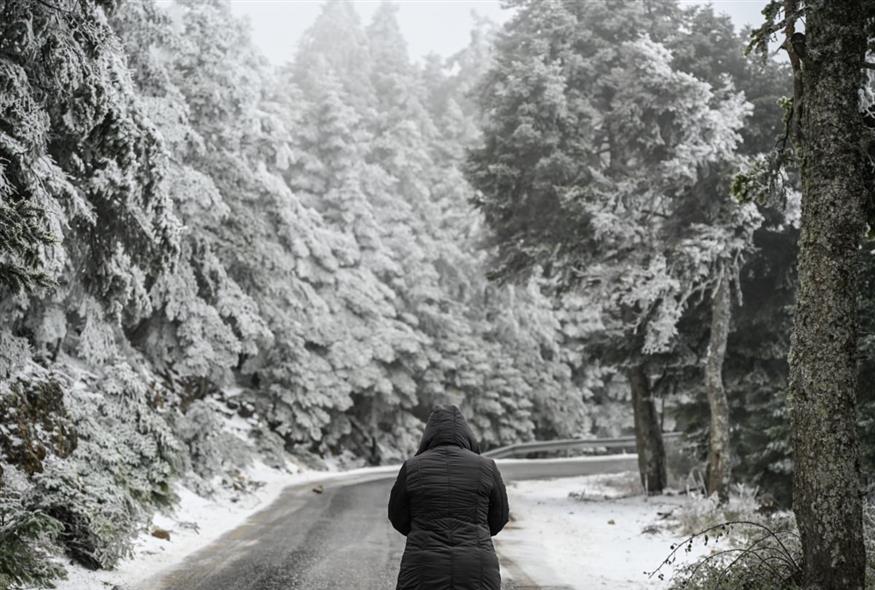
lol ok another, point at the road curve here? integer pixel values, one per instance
(339, 538)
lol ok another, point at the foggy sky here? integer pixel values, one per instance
(440, 26)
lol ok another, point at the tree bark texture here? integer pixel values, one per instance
(822, 388)
(719, 463)
(648, 433)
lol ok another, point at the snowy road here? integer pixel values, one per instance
(339, 538)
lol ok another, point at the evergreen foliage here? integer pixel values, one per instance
(191, 238)
(26, 545)
(604, 167)
(561, 194)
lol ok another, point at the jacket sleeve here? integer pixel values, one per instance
(399, 505)
(499, 512)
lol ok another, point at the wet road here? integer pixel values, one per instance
(338, 539)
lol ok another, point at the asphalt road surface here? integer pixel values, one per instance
(339, 538)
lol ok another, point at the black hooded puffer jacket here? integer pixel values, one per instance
(449, 501)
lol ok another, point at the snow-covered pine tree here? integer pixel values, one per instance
(270, 248)
(724, 234)
(81, 185)
(591, 136)
(203, 320)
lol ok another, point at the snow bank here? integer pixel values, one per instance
(601, 537)
(197, 521)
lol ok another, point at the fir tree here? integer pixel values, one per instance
(586, 150)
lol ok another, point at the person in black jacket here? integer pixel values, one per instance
(449, 502)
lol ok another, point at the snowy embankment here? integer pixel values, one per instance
(197, 521)
(589, 532)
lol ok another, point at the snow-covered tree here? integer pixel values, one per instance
(590, 141)
(84, 207)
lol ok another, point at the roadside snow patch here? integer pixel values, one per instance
(588, 532)
(194, 523)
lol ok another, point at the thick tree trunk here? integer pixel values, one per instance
(822, 395)
(648, 433)
(718, 443)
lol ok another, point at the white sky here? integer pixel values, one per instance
(440, 26)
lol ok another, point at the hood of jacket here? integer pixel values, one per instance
(447, 426)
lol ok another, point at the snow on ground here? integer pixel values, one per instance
(195, 522)
(601, 536)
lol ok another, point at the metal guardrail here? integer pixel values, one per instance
(564, 444)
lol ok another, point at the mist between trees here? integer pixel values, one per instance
(572, 227)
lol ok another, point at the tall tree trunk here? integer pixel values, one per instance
(718, 443)
(822, 392)
(648, 433)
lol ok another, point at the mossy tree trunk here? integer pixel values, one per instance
(648, 431)
(718, 443)
(822, 389)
